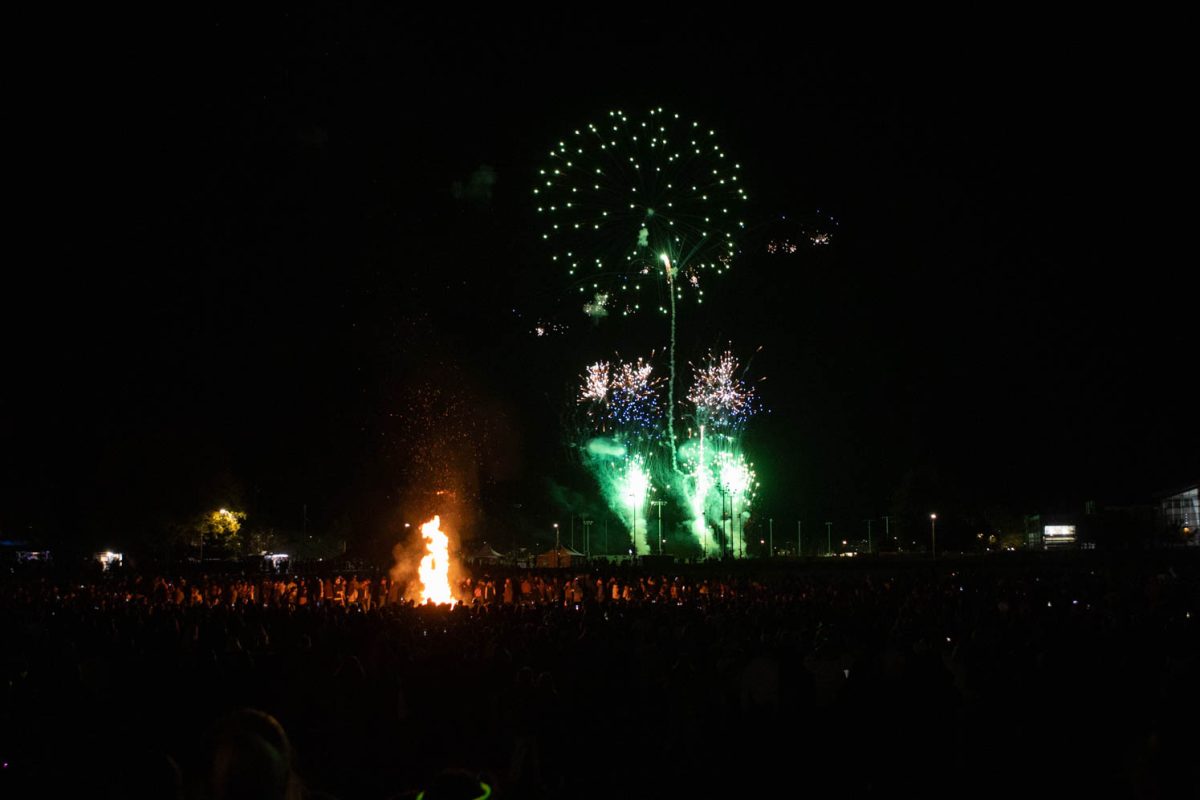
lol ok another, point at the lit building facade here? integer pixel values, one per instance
(1179, 516)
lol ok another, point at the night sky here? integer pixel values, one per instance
(251, 243)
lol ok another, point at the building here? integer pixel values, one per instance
(1179, 515)
(1052, 531)
(1096, 526)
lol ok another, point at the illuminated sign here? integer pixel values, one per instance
(1053, 535)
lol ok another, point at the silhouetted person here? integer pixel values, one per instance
(251, 758)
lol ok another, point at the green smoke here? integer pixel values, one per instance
(601, 448)
(625, 484)
(717, 485)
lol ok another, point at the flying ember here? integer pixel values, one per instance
(433, 571)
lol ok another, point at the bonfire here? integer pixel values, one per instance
(435, 565)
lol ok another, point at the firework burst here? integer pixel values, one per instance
(619, 194)
(621, 396)
(720, 394)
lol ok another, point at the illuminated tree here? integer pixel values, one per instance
(220, 527)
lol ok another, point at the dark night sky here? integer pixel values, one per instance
(246, 253)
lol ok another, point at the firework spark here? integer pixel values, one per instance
(807, 231)
(634, 398)
(721, 396)
(623, 396)
(597, 309)
(595, 383)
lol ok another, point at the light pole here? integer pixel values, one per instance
(587, 535)
(828, 538)
(724, 537)
(659, 504)
(887, 527)
(799, 538)
(557, 552)
(771, 537)
(633, 530)
(869, 534)
(742, 529)
(727, 523)
(933, 532)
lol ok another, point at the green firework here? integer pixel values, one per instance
(620, 196)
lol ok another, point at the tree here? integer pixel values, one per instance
(220, 528)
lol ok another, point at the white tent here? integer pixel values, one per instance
(485, 554)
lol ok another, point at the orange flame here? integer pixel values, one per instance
(434, 568)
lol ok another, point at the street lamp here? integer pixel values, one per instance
(557, 552)
(736, 480)
(726, 524)
(587, 536)
(633, 530)
(741, 532)
(933, 532)
(659, 504)
(724, 535)
(636, 484)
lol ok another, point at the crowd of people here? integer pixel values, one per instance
(379, 591)
(1071, 676)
